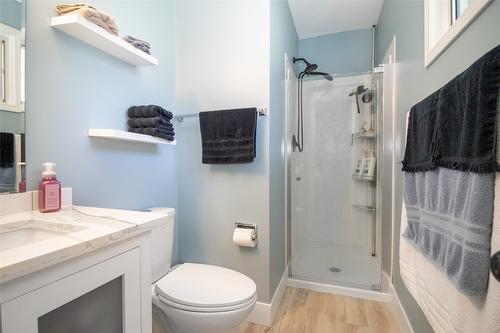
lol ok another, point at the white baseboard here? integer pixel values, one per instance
(399, 312)
(264, 313)
(339, 290)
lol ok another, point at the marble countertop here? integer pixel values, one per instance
(66, 234)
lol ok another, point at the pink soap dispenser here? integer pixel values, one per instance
(49, 190)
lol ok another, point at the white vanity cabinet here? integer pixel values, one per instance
(56, 298)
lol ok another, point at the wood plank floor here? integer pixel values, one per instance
(305, 311)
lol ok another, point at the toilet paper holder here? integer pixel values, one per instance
(247, 226)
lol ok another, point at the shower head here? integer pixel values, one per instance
(309, 67)
(325, 75)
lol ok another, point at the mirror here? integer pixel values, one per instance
(12, 96)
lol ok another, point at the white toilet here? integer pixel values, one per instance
(195, 298)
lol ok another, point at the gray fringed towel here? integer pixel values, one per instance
(455, 126)
(228, 136)
(450, 217)
(450, 164)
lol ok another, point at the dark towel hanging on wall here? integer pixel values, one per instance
(450, 164)
(6, 150)
(455, 126)
(228, 136)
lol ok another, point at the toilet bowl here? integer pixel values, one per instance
(194, 298)
(197, 298)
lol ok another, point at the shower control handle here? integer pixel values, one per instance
(298, 179)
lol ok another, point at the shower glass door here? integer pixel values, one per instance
(334, 224)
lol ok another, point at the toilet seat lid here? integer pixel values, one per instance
(207, 286)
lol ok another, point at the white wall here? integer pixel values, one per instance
(222, 61)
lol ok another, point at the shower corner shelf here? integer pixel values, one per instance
(78, 27)
(366, 208)
(364, 178)
(365, 135)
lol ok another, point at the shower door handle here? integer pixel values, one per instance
(298, 179)
(495, 265)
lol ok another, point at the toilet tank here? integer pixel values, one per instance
(162, 244)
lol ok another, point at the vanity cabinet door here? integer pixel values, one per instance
(58, 304)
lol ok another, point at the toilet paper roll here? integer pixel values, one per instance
(244, 237)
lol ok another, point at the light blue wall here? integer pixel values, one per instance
(283, 41)
(405, 19)
(11, 13)
(72, 86)
(342, 52)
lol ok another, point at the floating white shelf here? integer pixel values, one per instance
(78, 27)
(127, 136)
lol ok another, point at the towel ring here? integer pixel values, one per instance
(495, 265)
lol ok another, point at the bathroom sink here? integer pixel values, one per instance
(21, 233)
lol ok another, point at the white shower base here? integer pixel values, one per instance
(357, 270)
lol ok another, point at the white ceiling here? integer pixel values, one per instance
(319, 17)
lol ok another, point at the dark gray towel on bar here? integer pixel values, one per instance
(228, 136)
(455, 126)
(149, 122)
(147, 111)
(6, 150)
(154, 131)
(450, 215)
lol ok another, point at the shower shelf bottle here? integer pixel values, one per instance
(49, 190)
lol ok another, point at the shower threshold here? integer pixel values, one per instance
(373, 295)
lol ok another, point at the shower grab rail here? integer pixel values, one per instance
(364, 178)
(374, 225)
(363, 207)
(180, 117)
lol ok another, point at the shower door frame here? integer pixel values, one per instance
(290, 90)
(290, 105)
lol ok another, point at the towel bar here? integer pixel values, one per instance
(180, 117)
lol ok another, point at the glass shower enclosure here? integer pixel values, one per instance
(335, 192)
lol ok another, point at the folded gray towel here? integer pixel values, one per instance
(138, 43)
(450, 215)
(145, 111)
(149, 122)
(153, 131)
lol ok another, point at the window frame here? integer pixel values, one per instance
(436, 10)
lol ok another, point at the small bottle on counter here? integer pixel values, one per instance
(49, 190)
